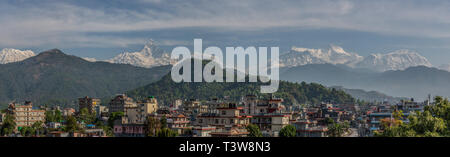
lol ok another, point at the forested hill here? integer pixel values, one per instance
(53, 77)
(167, 91)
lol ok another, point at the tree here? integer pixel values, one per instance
(86, 117)
(113, 117)
(152, 126)
(253, 131)
(9, 125)
(49, 116)
(337, 129)
(163, 122)
(166, 132)
(53, 116)
(27, 131)
(37, 126)
(58, 116)
(288, 131)
(432, 122)
(72, 124)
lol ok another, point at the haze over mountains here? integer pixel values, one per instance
(415, 82)
(402, 73)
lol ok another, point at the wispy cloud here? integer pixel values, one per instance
(25, 23)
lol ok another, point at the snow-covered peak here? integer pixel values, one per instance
(334, 55)
(90, 59)
(397, 60)
(151, 55)
(9, 55)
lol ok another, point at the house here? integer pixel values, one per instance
(200, 131)
(308, 128)
(121, 103)
(54, 125)
(89, 103)
(68, 112)
(228, 121)
(178, 122)
(129, 130)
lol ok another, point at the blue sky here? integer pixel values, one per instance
(102, 29)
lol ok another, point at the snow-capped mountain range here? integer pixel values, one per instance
(302, 56)
(9, 55)
(397, 60)
(151, 56)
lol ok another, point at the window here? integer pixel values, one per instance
(224, 112)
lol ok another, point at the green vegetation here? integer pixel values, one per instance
(158, 128)
(55, 78)
(253, 131)
(113, 117)
(166, 132)
(8, 125)
(53, 116)
(288, 131)
(337, 129)
(433, 122)
(167, 91)
(72, 125)
(86, 117)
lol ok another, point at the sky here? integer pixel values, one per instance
(102, 29)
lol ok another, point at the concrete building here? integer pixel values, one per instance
(307, 128)
(89, 103)
(267, 114)
(228, 122)
(200, 131)
(178, 123)
(101, 111)
(120, 103)
(129, 130)
(24, 115)
(68, 112)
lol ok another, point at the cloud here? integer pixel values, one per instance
(71, 23)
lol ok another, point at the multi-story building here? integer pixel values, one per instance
(308, 128)
(193, 108)
(228, 121)
(254, 106)
(149, 105)
(267, 114)
(68, 112)
(101, 111)
(120, 103)
(178, 122)
(89, 103)
(24, 115)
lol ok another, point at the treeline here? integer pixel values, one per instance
(167, 91)
(434, 121)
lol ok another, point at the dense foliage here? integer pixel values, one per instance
(53, 77)
(253, 131)
(168, 91)
(433, 122)
(288, 131)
